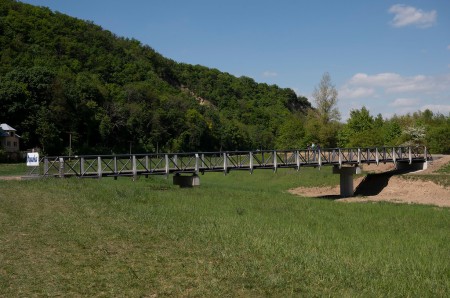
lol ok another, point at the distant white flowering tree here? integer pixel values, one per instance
(414, 135)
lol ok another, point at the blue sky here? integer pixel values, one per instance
(390, 56)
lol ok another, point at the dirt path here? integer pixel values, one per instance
(386, 185)
(10, 178)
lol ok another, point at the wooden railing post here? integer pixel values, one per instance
(376, 156)
(225, 163)
(197, 157)
(81, 166)
(410, 155)
(320, 158)
(61, 167)
(167, 166)
(99, 167)
(45, 166)
(275, 161)
(134, 167)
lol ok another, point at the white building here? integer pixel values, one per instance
(9, 140)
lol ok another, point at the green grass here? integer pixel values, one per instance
(235, 235)
(442, 179)
(13, 169)
(445, 169)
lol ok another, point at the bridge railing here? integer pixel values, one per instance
(173, 163)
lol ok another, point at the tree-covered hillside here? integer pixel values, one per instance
(62, 76)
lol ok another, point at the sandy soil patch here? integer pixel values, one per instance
(386, 185)
(10, 178)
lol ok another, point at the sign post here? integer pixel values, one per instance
(33, 159)
(33, 164)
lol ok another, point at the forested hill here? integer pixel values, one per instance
(60, 75)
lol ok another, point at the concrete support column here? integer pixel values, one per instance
(186, 181)
(346, 179)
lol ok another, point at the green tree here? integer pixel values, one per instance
(322, 123)
(438, 138)
(325, 98)
(291, 134)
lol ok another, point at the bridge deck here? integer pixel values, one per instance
(195, 163)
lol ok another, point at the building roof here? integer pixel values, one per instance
(6, 127)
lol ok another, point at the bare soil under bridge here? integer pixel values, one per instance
(383, 183)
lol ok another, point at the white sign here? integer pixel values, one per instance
(33, 159)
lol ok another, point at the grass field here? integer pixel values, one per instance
(445, 169)
(235, 235)
(15, 169)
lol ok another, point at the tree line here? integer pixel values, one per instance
(61, 78)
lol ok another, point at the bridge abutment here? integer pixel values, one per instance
(346, 179)
(186, 181)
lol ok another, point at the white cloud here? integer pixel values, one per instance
(379, 80)
(404, 102)
(357, 92)
(448, 47)
(443, 109)
(269, 74)
(410, 16)
(391, 93)
(395, 83)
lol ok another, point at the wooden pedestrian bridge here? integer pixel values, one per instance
(186, 167)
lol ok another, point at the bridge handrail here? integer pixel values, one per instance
(195, 162)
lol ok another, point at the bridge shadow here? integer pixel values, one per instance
(372, 185)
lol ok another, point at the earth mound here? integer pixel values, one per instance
(384, 183)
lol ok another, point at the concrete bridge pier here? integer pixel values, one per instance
(346, 179)
(186, 181)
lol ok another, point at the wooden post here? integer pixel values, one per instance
(410, 155)
(377, 159)
(82, 166)
(320, 158)
(134, 165)
(167, 168)
(196, 164)
(275, 161)
(225, 163)
(359, 156)
(61, 167)
(99, 167)
(45, 166)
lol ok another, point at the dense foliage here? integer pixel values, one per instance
(420, 128)
(64, 79)
(61, 76)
